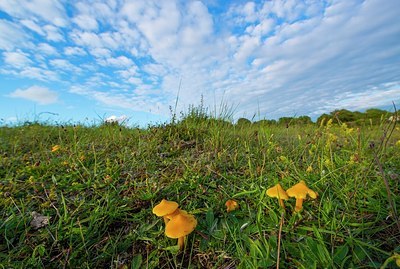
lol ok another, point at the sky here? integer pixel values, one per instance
(87, 60)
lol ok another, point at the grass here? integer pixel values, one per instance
(100, 186)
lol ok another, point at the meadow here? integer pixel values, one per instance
(82, 197)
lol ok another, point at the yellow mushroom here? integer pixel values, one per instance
(278, 192)
(180, 226)
(166, 209)
(300, 192)
(231, 205)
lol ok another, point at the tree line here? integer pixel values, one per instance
(370, 116)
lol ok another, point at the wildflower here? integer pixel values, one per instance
(283, 159)
(231, 205)
(300, 192)
(55, 148)
(327, 162)
(329, 123)
(309, 169)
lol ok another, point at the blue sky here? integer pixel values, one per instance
(84, 60)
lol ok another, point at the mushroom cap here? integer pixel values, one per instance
(174, 214)
(165, 208)
(180, 225)
(231, 205)
(300, 191)
(278, 192)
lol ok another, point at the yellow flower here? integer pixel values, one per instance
(283, 158)
(329, 123)
(309, 169)
(55, 148)
(31, 180)
(327, 162)
(231, 205)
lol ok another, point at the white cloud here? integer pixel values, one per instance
(31, 25)
(47, 10)
(86, 22)
(100, 53)
(64, 65)
(11, 35)
(120, 61)
(17, 59)
(38, 73)
(111, 40)
(102, 10)
(74, 51)
(376, 96)
(38, 94)
(86, 39)
(129, 72)
(130, 101)
(47, 49)
(155, 69)
(289, 10)
(53, 33)
(116, 119)
(135, 80)
(247, 47)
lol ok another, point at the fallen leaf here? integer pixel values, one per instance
(39, 221)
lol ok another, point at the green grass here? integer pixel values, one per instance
(100, 187)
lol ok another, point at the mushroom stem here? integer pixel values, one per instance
(299, 204)
(181, 242)
(166, 220)
(281, 203)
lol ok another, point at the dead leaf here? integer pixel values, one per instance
(39, 221)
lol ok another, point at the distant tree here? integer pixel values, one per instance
(304, 120)
(286, 121)
(265, 122)
(344, 115)
(243, 121)
(375, 115)
(323, 119)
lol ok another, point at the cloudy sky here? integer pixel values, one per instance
(83, 60)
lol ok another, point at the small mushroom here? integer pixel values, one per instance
(180, 226)
(231, 205)
(300, 192)
(278, 192)
(165, 209)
